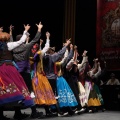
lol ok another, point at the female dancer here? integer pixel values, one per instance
(66, 98)
(13, 89)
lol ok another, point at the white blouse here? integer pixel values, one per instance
(12, 45)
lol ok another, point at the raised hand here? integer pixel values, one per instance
(11, 27)
(1, 29)
(71, 46)
(75, 47)
(27, 27)
(84, 53)
(41, 41)
(40, 26)
(68, 42)
(47, 35)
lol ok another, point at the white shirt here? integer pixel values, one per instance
(12, 45)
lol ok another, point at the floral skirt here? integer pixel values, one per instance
(43, 92)
(66, 96)
(13, 87)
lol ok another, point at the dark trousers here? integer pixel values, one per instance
(27, 79)
(53, 85)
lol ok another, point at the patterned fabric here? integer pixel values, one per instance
(82, 95)
(99, 94)
(13, 87)
(93, 99)
(41, 86)
(43, 91)
(88, 87)
(65, 94)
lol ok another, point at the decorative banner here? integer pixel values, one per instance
(108, 33)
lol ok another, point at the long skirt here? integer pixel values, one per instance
(93, 99)
(43, 92)
(13, 87)
(99, 94)
(66, 96)
(82, 94)
(88, 87)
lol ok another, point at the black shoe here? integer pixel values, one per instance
(50, 114)
(21, 116)
(37, 114)
(103, 109)
(4, 118)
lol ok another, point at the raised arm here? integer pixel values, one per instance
(56, 56)
(47, 44)
(27, 40)
(95, 67)
(41, 42)
(12, 45)
(83, 60)
(64, 59)
(1, 29)
(70, 63)
(71, 53)
(98, 73)
(37, 36)
(11, 29)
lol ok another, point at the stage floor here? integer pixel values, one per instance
(107, 115)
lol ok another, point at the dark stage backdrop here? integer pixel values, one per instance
(108, 33)
(49, 12)
(85, 35)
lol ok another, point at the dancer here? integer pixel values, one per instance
(94, 97)
(21, 58)
(49, 60)
(43, 92)
(82, 70)
(13, 90)
(72, 79)
(66, 98)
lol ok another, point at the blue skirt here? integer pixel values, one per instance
(66, 97)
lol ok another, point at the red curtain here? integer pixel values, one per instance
(108, 33)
